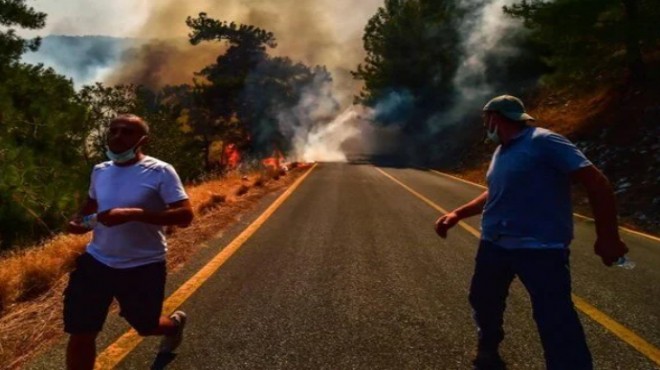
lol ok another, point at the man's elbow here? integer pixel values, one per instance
(186, 218)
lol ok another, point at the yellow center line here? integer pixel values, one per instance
(118, 350)
(630, 231)
(625, 334)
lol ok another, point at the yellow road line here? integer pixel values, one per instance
(625, 334)
(118, 350)
(467, 227)
(652, 237)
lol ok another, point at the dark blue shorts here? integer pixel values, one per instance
(92, 286)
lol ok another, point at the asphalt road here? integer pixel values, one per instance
(349, 274)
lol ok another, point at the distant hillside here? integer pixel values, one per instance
(86, 59)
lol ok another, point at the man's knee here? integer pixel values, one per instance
(83, 338)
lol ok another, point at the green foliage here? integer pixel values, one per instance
(17, 13)
(162, 111)
(43, 173)
(593, 41)
(273, 92)
(411, 45)
(241, 95)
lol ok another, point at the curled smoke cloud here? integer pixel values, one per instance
(489, 53)
(326, 32)
(318, 32)
(483, 38)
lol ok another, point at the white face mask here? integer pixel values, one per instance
(126, 156)
(491, 135)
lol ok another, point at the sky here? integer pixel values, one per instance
(119, 18)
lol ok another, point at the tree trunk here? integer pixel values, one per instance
(636, 64)
(207, 153)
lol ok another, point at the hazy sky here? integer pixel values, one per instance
(96, 17)
(128, 17)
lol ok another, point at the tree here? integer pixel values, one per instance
(41, 161)
(17, 13)
(413, 50)
(280, 97)
(593, 40)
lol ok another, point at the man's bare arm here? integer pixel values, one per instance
(472, 208)
(178, 213)
(603, 204)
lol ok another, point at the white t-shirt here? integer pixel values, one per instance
(150, 184)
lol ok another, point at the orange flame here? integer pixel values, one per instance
(231, 157)
(275, 161)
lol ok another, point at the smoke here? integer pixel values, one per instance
(157, 63)
(318, 32)
(86, 59)
(488, 65)
(324, 142)
(483, 39)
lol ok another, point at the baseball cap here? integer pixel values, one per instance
(509, 106)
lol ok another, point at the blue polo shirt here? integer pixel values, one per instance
(529, 191)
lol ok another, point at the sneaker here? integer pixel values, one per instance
(488, 360)
(170, 342)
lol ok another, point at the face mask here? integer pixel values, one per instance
(492, 135)
(123, 157)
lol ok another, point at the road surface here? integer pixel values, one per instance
(347, 273)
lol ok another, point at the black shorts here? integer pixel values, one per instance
(92, 286)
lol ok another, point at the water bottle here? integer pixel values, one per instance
(89, 221)
(625, 263)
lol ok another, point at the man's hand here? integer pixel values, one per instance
(75, 226)
(610, 249)
(118, 216)
(445, 223)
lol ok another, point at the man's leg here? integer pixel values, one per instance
(87, 298)
(546, 275)
(81, 351)
(488, 291)
(140, 292)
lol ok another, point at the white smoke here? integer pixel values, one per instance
(481, 37)
(324, 142)
(316, 127)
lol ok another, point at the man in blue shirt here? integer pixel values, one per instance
(527, 227)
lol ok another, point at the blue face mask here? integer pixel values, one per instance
(123, 157)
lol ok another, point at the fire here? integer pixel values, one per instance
(231, 157)
(275, 162)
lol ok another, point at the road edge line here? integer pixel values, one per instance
(121, 347)
(626, 335)
(628, 230)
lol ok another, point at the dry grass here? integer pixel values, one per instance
(32, 281)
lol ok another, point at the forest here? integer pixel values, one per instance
(52, 133)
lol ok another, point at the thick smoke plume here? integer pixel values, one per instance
(318, 32)
(325, 32)
(483, 39)
(488, 40)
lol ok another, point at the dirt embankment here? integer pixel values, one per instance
(619, 131)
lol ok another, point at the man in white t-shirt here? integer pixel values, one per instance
(131, 198)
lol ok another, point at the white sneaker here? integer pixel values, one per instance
(170, 342)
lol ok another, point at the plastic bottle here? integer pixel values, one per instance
(89, 221)
(625, 263)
